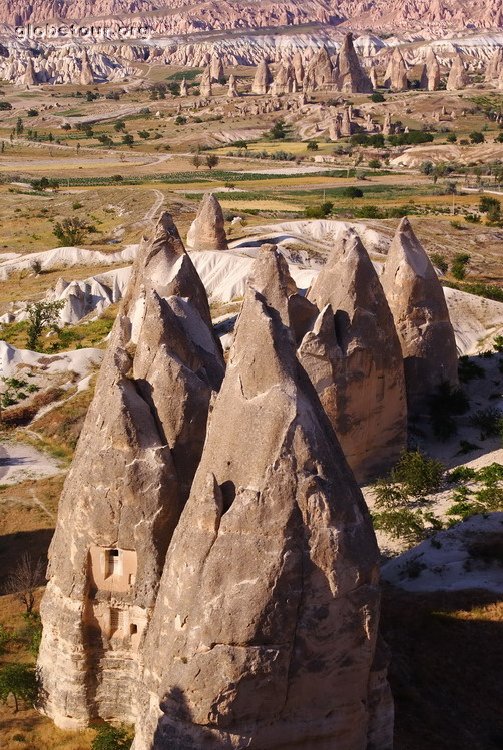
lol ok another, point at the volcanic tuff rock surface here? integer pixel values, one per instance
(262, 79)
(353, 357)
(207, 231)
(458, 77)
(264, 631)
(129, 480)
(418, 305)
(183, 16)
(351, 77)
(396, 73)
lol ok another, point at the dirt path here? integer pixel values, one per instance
(19, 462)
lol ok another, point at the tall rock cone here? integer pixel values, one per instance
(264, 631)
(353, 357)
(432, 71)
(205, 87)
(320, 72)
(417, 301)
(262, 80)
(216, 69)
(494, 66)
(232, 90)
(30, 77)
(134, 463)
(458, 77)
(86, 71)
(352, 79)
(395, 76)
(207, 231)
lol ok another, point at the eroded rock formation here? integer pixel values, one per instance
(205, 87)
(262, 80)
(418, 305)
(351, 77)
(207, 231)
(320, 72)
(395, 77)
(130, 477)
(264, 632)
(458, 77)
(354, 359)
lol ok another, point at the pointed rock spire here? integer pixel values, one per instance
(183, 88)
(263, 79)
(494, 66)
(86, 71)
(270, 587)
(205, 88)
(395, 77)
(207, 231)
(432, 71)
(131, 474)
(352, 78)
(354, 359)
(458, 77)
(284, 80)
(418, 305)
(30, 77)
(232, 91)
(320, 71)
(216, 68)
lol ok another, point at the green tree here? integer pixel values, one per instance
(19, 126)
(128, 139)
(312, 146)
(144, 134)
(196, 161)
(374, 164)
(459, 265)
(452, 138)
(112, 738)
(477, 137)
(71, 231)
(20, 681)
(377, 97)
(278, 131)
(211, 161)
(41, 315)
(119, 125)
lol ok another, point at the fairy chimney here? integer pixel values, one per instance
(353, 357)
(207, 231)
(416, 299)
(265, 628)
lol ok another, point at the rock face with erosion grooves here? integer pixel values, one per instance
(320, 72)
(458, 77)
(395, 77)
(130, 477)
(86, 72)
(216, 69)
(432, 71)
(264, 632)
(207, 231)
(351, 78)
(417, 301)
(205, 88)
(353, 357)
(495, 66)
(262, 80)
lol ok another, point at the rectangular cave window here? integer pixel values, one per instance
(133, 628)
(114, 562)
(116, 620)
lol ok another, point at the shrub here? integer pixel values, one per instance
(402, 523)
(72, 231)
(440, 262)
(447, 403)
(498, 344)
(418, 473)
(352, 192)
(112, 738)
(319, 212)
(377, 97)
(459, 265)
(452, 138)
(312, 146)
(477, 137)
(489, 421)
(461, 474)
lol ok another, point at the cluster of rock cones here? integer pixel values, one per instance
(214, 572)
